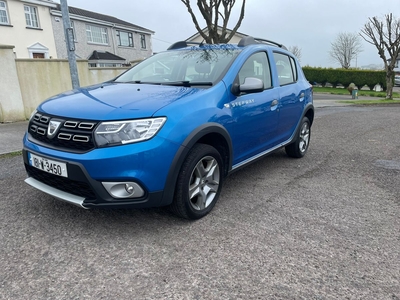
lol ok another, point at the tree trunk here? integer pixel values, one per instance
(389, 83)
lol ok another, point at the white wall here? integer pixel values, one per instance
(25, 83)
(21, 37)
(11, 104)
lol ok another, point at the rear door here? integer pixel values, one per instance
(290, 94)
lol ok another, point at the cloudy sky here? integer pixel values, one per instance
(311, 25)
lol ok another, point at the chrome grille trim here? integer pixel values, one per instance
(74, 135)
(80, 138)
(44, 119)
(41, 131)
(86, 125)
(64, 136)
(70, 124)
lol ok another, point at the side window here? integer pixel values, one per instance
(256, 66)
(286, 68)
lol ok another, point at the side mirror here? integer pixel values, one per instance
(250, 85)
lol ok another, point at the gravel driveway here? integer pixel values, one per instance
(323, 227)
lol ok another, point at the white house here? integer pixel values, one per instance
(27, 26)
(104, 40)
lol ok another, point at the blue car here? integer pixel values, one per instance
(168, 131)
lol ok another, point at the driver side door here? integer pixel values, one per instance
(255, 114)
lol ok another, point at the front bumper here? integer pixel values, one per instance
(146, 164)
(61, 195)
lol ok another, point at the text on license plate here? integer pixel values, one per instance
(48, 165)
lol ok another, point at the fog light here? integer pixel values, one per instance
(129, 189)
(122, 190)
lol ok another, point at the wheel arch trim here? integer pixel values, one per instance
(180, 156)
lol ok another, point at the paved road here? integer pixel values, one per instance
(11, 135)
(323, 227)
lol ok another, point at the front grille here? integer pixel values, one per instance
(77, 188)
(71, 134)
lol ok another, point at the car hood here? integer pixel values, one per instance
(112, 101)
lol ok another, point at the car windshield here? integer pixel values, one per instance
(195, 66)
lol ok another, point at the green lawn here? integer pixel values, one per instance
(370, 102)
(339, 91)
(9, 155)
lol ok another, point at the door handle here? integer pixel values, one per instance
(275, 102)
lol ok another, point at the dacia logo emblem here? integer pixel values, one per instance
(53, 128)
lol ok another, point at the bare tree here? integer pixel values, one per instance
(213, 11)
(345, 48)
(296, 51)
(385, 35)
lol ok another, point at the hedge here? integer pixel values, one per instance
(345, 76)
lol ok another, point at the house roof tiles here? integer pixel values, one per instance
(100, 55)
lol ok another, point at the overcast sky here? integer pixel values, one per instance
(309, 24)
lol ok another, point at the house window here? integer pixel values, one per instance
(143, 41)
(125, 38)
(3, 13)
(31, 16)
(97, 34)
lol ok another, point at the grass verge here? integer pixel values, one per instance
(370, 102)
(339, 91)
(10, 155)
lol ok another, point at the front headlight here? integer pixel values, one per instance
(125, 132)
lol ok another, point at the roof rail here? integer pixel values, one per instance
(249, 40)
(182, 44)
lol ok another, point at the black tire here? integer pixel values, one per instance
(299, 147)
(199, 183)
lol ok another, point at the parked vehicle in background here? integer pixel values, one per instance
(397, 80)
(169, 130)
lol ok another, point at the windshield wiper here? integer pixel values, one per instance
(186, 83)
(139, 82)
